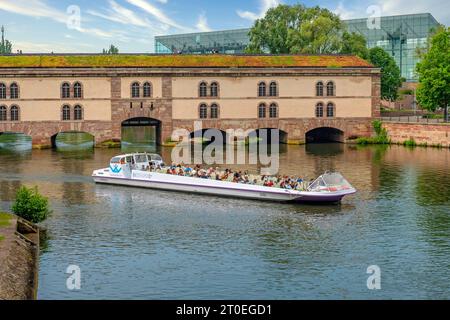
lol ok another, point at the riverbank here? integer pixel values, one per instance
(19, 258)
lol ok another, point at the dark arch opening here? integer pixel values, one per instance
(208, 136)
(72, 140)
(325, 135)
(268, 135)
(15, 141)
(141, 131)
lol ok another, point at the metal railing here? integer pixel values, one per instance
(413, 119)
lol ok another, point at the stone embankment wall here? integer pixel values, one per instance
(19, 261)
(421, 133)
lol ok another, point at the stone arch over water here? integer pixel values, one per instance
(324, 135)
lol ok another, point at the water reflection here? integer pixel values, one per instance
(17, 142)
(143, 244)
(74, 141)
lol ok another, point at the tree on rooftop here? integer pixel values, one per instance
(391, 79)
(5, 45)
(111, 50)
(434, 73)
(298, 29)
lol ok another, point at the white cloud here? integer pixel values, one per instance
(202, 24)
(265, 5)
(344, 13)
(438, 8)
(31, 47)
(158, 14)
(120, 14)
(39, 9)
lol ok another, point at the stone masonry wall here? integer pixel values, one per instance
(431, 134)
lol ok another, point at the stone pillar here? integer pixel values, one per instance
(376, 95)
(116, 112)
(165, 110)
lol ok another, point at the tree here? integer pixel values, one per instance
(434, 73)
(30, 205)
(112, 50)
(5, 45)
(298, 29)
(391, 79)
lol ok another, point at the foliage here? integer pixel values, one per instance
(5, 45)
(61, 61)
(380, 138)
(112, 50)
(30, 205)
(391, 79)
(434, 73)
(298, 29)
(410, 143)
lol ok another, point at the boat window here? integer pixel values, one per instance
(130, 160)
(156, 158)
(141, 158)
(115, 160)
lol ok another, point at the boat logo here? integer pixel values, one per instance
(115, 169)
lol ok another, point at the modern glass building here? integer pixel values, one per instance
(228, 42)
(400, 36)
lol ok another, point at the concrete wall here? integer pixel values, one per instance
(431, 134)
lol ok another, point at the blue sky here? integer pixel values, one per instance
(90, 25)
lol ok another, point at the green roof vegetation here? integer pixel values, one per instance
(180, 61)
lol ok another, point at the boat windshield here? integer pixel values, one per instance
(115, 160)
(330, 182)
(141, 158)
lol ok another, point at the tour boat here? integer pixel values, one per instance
(133, 170)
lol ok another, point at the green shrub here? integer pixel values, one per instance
(410, 143)
(380, 138)
(30, 205)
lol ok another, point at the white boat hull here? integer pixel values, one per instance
(167, 182)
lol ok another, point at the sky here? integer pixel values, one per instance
(88, 26)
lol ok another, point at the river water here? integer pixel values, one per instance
(143, 244)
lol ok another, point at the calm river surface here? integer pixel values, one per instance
(143, 244)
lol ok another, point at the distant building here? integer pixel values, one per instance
(400, 36)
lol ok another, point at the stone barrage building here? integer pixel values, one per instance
(305, 97)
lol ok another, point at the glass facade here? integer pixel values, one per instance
(228, 42)
(400, 36)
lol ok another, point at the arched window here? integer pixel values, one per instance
(262, 90)
(331, 89)
(203, 89)
(78, 113)
(65, 113)
(330, 110)
(319, 89)
(319, 110)
(2, 91)
(14, 91)
(262, 111)
(3, 113)
(203, 111)
(14, 113)
(273, 89)
(135, 90)
(214, 111)
(214, 89)
(273, 111)
(77, 90)
(65, 90)
(147, 90)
